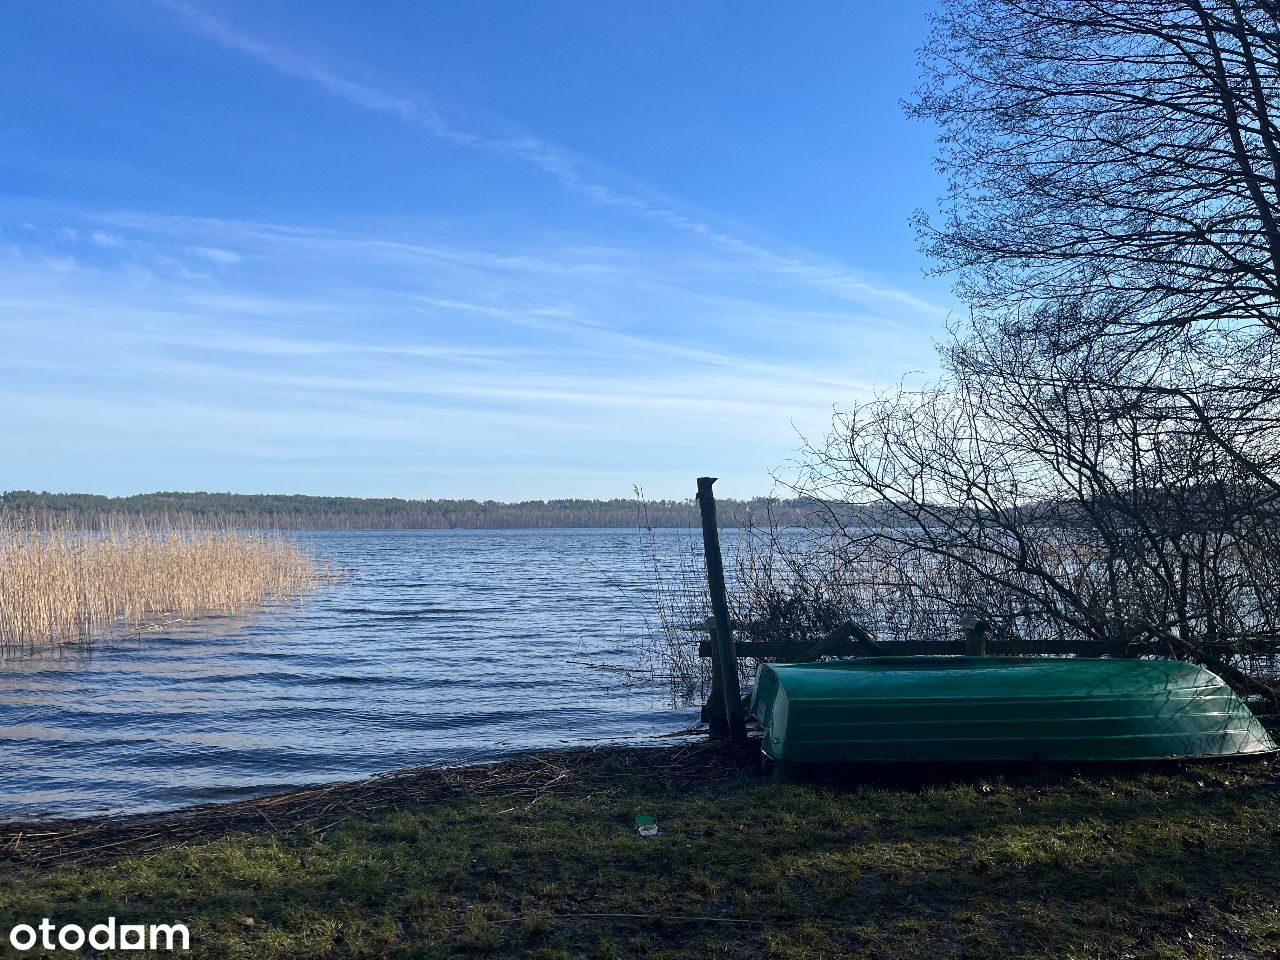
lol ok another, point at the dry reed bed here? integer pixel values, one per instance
(65, 584)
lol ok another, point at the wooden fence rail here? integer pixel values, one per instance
(792, 652)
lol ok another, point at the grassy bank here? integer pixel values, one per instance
(539, 857)
(65, 583)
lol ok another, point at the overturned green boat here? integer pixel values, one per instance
(962, 709)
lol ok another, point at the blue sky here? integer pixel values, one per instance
(488, 249)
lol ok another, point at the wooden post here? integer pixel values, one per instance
(713, 712)
(725, 659)
(975, 636)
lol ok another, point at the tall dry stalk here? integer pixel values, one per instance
(60, 583)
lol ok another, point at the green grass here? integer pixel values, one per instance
(1178, 863)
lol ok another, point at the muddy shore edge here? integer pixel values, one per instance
(312, 810)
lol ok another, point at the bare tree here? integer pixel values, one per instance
(1033, 490)
(1099, 464)
(1101, 459)
(1123, 150)
(1124, 154)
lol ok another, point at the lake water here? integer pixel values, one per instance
(442, 647)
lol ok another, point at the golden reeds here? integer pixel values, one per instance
(59, 583)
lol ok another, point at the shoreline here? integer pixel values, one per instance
(539, 856)
(300, 810)
(695, 759)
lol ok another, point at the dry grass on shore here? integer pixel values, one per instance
(66, 584)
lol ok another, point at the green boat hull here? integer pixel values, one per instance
(993, 709)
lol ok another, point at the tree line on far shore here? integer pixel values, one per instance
(298, 512)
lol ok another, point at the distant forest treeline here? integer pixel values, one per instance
(296, 512)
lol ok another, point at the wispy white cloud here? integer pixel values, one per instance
(326, 351)
(573, 171)
(223, 258)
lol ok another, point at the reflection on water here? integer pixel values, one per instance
(446, 646)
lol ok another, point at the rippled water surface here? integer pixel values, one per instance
(444, 646)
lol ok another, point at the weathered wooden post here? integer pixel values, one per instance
(724, 659)
(713, 714)
(975, 636)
